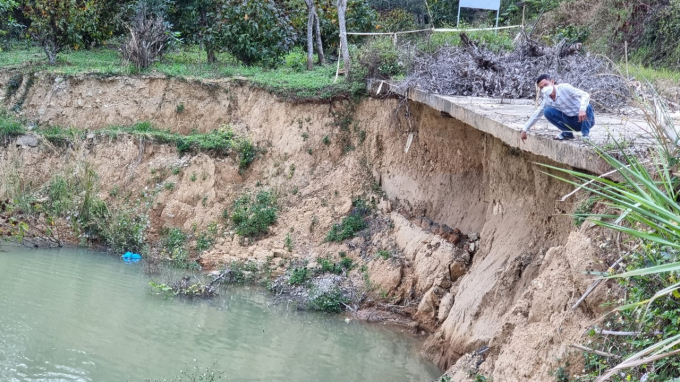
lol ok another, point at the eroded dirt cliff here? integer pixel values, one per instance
(505, 281)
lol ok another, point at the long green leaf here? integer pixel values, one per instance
(648, 271)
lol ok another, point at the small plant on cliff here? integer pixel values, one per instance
(9, 126)
(288, 242)
(328, 266)
(332, 301)
(253, 216)
(299, 275)
(173, 246)
(351, 224)
(384, 254)
(206, 238)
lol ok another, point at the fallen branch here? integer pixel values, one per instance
(615, 333)
(593, 351)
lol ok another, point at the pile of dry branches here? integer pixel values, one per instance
(470, 70)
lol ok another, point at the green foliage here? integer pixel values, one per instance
(173, 246)
(351, 224)
(206, 238)
(572, 33)
(497, 42)
(123, 229)
(299, 275)
(644, 206)
(347, 229)
(254, 31)
(328, 266)
(346, 262)
(296, 59)
(360, 17)
(252, 217)
(326, 140)
(511, 12)
(247, 153)
(9, 126)
(179, 109)
(379, 58)
(8, 23)
(195, 20)
(55, 24)
(288, 242)
(583, 210)
(384, 254)
(396, 20)
(331, 301)
(561, 374)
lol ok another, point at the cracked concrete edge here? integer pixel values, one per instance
(570, 154)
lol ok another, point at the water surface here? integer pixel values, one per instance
(76, 315)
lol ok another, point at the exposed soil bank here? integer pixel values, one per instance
(511, 290)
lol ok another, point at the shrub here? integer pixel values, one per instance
(174, 247)
(384, 254)
(380, 58)
(253, 217)
(328, 266)
(254, 31)
(346, 263)
(123, 229)
(299, 275)
(347, 229)
(351, 224)
(149, 37)
(398, 20)
(328, 301)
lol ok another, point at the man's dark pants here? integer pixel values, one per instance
(570, 124)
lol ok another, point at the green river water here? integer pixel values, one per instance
(76, 315)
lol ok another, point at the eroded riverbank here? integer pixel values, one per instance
(424, 175)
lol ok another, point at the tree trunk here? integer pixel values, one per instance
(210, 51)
(319, 43)
(342, 7)
(310, 34)
(51, 49)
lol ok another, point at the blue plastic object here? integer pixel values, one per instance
(130, 257)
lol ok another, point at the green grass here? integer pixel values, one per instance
(190, 62)
(10, 126)
(220, 141)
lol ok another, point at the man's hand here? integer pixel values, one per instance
(582, 116)
(523, 137)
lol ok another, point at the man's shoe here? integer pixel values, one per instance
(561, 137)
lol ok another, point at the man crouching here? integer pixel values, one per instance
(564, 106)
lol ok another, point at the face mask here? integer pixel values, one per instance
(547, 91)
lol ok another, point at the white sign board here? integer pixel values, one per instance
(493, 5)
(481, 4)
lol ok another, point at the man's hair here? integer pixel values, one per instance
(543, 77)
